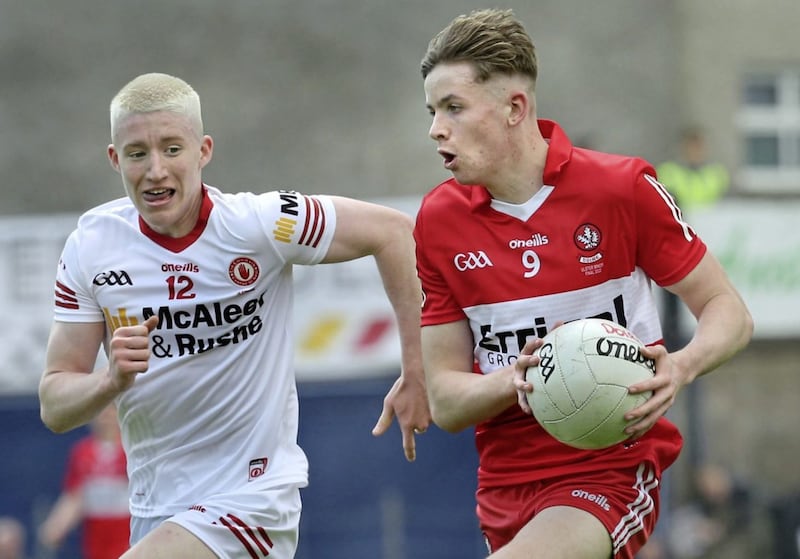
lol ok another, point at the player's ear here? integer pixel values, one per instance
(206, 150)
(519, 106)
(113, 157)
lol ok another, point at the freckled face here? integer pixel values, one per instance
(469, 122)
(160, 157)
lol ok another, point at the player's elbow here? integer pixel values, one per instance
(398, 224)
(52, 422)
(446, 405)
(446, 420)
(747, 329)
(51, 418)
(403, 221)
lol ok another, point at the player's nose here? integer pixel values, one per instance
(156, 169)
(438, 130)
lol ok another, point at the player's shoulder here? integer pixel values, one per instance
(612, 163)
(285, 200)
(607, 175)
(116, 207)
(120, 209)
(445, 196)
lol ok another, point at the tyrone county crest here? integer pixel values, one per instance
(243, 271)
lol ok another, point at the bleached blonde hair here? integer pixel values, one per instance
(157, 92)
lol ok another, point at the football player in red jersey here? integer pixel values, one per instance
(532, 231)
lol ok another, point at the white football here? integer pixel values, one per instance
(580, 387)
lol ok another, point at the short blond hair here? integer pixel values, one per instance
(494, 41)
(157, 92)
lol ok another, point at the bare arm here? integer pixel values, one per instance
(458, 397)
(70, 395)
(364, 229)
(724, 327)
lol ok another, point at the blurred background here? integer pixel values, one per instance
(325, 96)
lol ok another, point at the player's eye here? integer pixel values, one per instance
(173, 150)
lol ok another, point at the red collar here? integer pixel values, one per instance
(558, 155)
(178, 244)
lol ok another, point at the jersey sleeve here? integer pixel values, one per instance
(74, 301)
(668, 248)
(300, 227)
(438, 305)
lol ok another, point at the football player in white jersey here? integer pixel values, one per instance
(190, 291)
(531, 231)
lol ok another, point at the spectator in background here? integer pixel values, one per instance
(695, 182)
(12, 538)
(95, 494)
(692, 178)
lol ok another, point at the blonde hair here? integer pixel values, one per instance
(157, 92)
(492, 40)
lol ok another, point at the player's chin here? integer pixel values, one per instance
(161, 219)
(464, 177)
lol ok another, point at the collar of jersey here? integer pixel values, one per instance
(181, 243)
(558, 155)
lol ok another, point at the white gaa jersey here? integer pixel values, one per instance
(217, 410)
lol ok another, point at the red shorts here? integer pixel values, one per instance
(626, 502)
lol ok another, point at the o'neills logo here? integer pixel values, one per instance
(600, 500)
(185, 267)
(243, 271)
(623, 350)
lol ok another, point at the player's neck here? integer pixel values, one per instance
(521, 179)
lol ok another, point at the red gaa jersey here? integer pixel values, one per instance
(587, 244)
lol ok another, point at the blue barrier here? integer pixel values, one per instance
(363, 499)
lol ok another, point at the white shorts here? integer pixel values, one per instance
(242, 525)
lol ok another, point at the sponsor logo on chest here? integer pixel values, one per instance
(184, 329)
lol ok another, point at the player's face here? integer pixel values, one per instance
(468, 122)
(160, 158)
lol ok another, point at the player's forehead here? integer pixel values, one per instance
(153, 127)
(458, 81)
(448, 80)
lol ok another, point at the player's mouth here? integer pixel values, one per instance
(449, 159)
(158, 195)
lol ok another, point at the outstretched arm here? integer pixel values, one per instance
(364, 229)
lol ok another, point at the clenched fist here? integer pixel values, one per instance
(129, 353)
